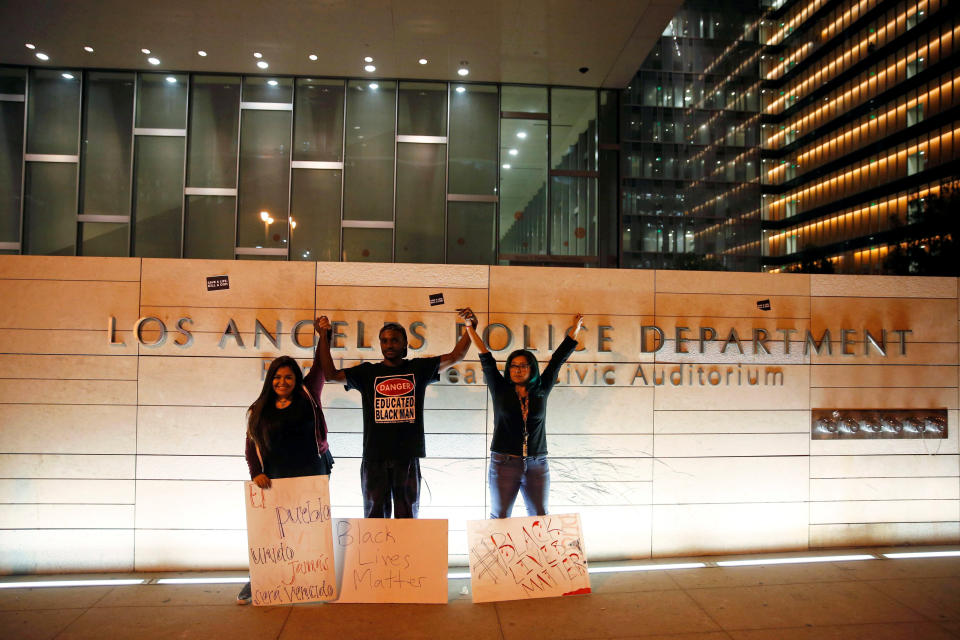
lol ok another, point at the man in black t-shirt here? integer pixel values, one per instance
(392, 392)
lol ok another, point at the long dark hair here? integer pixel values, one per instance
(257, 428)
(534, 380)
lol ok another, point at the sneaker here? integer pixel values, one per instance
(245, 597)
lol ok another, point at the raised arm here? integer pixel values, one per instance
(330, 372)
(574, 331)
(460, 349)
(472, 331)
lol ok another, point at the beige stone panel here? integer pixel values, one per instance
(783, 308)
(66, 342)
(368, 274)
(731, 444)
(69, 268)
(190, 504)
(217, 431)
(621, 445)
(66, 516)
(829, 489)
(166, 550)
(924, 353)
(563, 291)
(930, 320)
(730, 480)
(334, 300)
(884, 397)
(930, 448)
(882, 286)
(879, 466)
(66, 550)
(61, 367)
(438, 396)
(151, 467)
(601, 469)
(600, 494)
(884, 533)
(45, 304)
(767, 393)
(752, 354)
(34, 465)
(48, 428)
(93, 392)
(614, 410)
(448, 481)
(914, 510)
(256, 284)
(838, 375)
(724, 421)
(200, 381)
(760, 284)
(66, 491)
(693, 529)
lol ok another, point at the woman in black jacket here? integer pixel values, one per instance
(518, 453)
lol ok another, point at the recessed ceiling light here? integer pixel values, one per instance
(272, 83)
(257, 55)
(68, 76)
(521, 134)
(506, 166)
(30, 46)
(369, 68)
(88, 49)
(422, 61)
(202, 53)
(463, 68)
(171, 80)
(461, 89)
(312, 56)
(153, 61)
(374, 86)
(513, 152)
(368, 59)
(262, 64)
(42, 56)
(145, 51)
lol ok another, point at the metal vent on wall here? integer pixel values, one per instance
(834, 424)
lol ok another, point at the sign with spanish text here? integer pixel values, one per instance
(290, 541)
(384, 560)
(522, 558)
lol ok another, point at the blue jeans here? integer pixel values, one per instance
(390, 485)
(509, 474)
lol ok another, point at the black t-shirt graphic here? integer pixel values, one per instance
(393, 406)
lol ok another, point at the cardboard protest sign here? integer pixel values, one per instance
(290, 541)
(533, 557)
(383, 560)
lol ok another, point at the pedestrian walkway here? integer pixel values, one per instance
(875, 598)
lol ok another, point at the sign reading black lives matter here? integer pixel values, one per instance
(290, 541)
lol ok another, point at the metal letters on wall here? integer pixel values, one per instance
(833, 424)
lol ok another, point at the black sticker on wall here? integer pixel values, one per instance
(435, 299)
(763, 304)
(215, 283)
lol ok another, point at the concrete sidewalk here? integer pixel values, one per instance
(876, 599)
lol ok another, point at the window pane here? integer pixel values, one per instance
(523, 187)
(573, 129)
(368, 190)
(104, 238)
(526, 99)
(162, 104)
(367, 245)
(471, 233)
(13, 81)
(259, 89)
(158, 193)
(53, 121)
(209, 230)
(214, 123)
(422, 109)
(107, 143)
(474, 118)
(264, 178)
(50, 208)
(609, 117)
(11, 169)
(318, 121)
(420, 198)
(316, 212)
(573, 228)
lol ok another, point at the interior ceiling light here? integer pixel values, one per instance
(312, 56)
(374, 86)
(461, 89)
(506, 166)
(262, 64)
(521, 134)
(88, 49)
(257, 55)
(202, 53)
(30, 46)
(272, 83)
(67, 76)
(145, 51)
(171, 80)
(422, 61)
(368, 59)
(42, 56)
(463, 68)
(153, 61)
(513, 152)
(369, 68)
